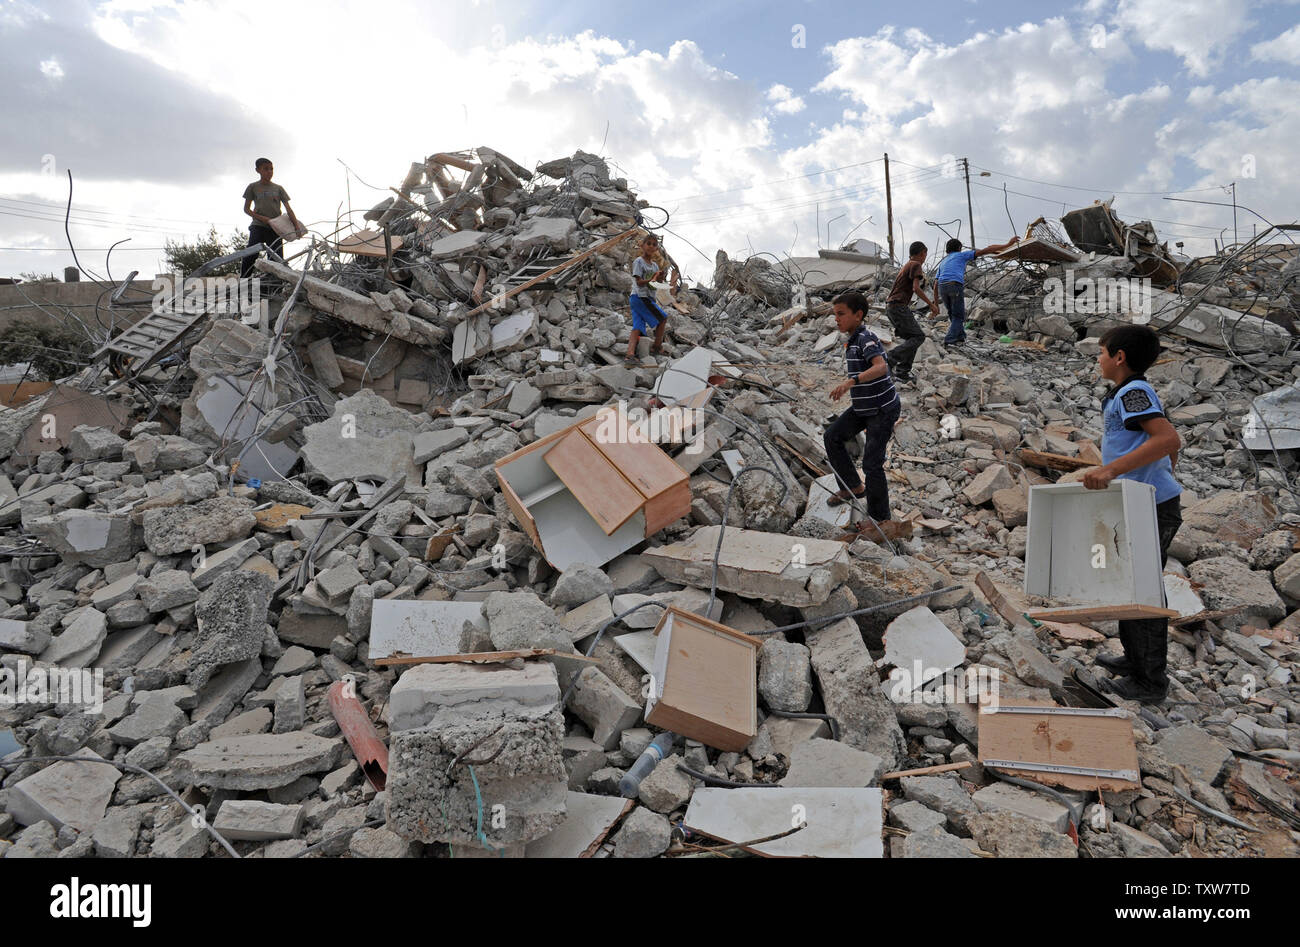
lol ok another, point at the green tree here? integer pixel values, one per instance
(34, 277)
(188, 257)
(54, 351)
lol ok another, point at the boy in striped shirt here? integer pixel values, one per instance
(873, 409)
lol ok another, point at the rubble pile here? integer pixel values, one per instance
(368, 579)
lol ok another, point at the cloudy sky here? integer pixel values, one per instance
(760, 127)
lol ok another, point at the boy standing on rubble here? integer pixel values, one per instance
(1138, 443)
(646, 314)
(951, 280)
(262, 201)
(908, 334)
(873, 409)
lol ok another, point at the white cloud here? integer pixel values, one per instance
(784, 100)
(1197, 31)
(51, 69)
(1038, 101)
(1284, 48)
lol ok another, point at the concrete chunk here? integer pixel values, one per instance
(793, 570)
(424, 628)
(601, 705)
(851, 691)
(248, 820)
(179, 529)
(75, 794)
(257, 761)
(441, 695)
(829, 763)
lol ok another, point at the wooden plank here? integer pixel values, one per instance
(482, 657)
(928, 770)
(599, 248)
(1088, 613)
(1047, 461)
(1001, 603)
(1207, 616)
(1060, 739)
(642, 463)
(1072, 631)
(594, 481)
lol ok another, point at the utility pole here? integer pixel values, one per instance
(970, 214)
(889, 209)
(1234, 213)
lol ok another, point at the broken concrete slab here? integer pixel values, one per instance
(72, 794)
(921, 648)
(223, 561)
(366, 438)
(819, 762)
(586, 619)
(1003, 797)
(818, 496)
(603, 707)
(179, 529)
(942, 794)
(432, 800)
(91, 537)
(841, 823)
(1008, 834)
(445, 695)
(252, 821)
(643, 834)
(425, 628)
(521, 620)
(258, 760)
(852, 693)
(80, 642)
(784, 675)
(794, 571)
(1189, 746)
(232, 623)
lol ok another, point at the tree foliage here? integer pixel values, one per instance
(188, 257)
(54, 351)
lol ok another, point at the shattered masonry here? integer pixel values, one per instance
(338, 501)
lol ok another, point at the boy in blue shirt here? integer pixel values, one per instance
(646, 315)
(1138, 443)
(952, 284)
(873, 409)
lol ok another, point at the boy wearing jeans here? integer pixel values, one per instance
(1138, 443)
(873, 409)
(262, 200)
(952, 284)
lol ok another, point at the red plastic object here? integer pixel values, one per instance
(360, 733)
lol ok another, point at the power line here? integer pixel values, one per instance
(102, 213)
(1055, 200)
(135, 228)
(1107, 190)
(846, 191)
(811, 174)
(803, 205)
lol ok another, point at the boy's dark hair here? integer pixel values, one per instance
(916, 247)
(952, 246)
(854, 300)
(1140, 345)
(261, 161)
